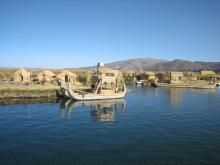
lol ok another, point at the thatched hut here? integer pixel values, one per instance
(22, 75)
(67, 76)
(176, 77)
(150, 75)
(191, 76)
(46, 75)
(207, 73)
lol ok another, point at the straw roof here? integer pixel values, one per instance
(114, 72)
(47, 73)
(22, 72)
(66, 72)
(207, 72)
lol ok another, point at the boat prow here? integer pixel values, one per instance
(64, 92)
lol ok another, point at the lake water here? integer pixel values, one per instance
(150, 126)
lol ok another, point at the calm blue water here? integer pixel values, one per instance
(150, 126)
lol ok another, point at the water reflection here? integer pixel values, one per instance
(176, 95)
(104, 110)
(68, 105)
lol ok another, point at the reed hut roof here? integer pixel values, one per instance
(67, 72)
(113, 72)
(21, 72)
(48, 73)
(108, 70)
(150, 73)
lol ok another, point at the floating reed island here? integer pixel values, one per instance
(44, 83)
(25, 83)
(177, 81)
(8, 91)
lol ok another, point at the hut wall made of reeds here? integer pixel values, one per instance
(46, 75)
(67, 76)
(176, 77)
(22, 75)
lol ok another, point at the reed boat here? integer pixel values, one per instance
(211, 85)
(63, 91)
(106, 84)
(82, 95)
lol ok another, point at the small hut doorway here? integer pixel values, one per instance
(66, 78)
(21, 78)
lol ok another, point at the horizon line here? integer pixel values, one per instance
(45, 67)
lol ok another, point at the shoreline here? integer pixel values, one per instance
(11, 91)
(28, 94)
(13, 101)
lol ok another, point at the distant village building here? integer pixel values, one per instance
(176, 77)
(150, 75)
(67, 76)
(207, 73)
(46, 75)
(22, 75)
(191, 76)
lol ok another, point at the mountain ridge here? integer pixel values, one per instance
(184, 65)
(134, 64)
(154, 64)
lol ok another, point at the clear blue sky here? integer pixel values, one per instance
(75, 33)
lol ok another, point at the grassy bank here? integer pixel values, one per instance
(33, 91)
(23, 91)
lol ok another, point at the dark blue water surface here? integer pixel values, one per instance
(150, 126)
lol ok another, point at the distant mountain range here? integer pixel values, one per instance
(182, 65)
(135, 64)
(144, 64)
(149, 64)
